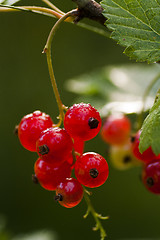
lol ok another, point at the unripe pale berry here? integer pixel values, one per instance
(122, 158)
(31, 127)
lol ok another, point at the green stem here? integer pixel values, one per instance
(51, 13)
(47, 50)
(33, 9)
(53, 6)
(145, 95)
(95, 215)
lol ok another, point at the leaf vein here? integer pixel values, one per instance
(143, 11)
(127, 26)
(137, 38)
(157, 2)
(135, 17)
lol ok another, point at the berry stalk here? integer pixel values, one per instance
(32, 9)
(51, 13)
(47, 50)
(51, 5)
(95, 215)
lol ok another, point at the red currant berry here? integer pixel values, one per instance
(116, 129)
(69, 193)
(54, 145)
(151, 176)
(82, 121)
(49, 175)
(91, 169)
(147, 155)
(31, 127)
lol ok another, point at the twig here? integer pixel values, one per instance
(89, 9)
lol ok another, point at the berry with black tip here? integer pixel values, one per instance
(69, 193)
(121, 157)
(91, 169)
(82, 121)
(151, 176)
(54, 145)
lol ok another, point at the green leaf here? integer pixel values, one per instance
(150, 135)
(136, 26)
(116, 88)
(8, 2)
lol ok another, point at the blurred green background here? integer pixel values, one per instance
(25, 87)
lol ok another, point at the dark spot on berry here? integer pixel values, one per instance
(35, 179)
(150, 182)
(93, 123)
(127, 159)
(16, 130)
(58, 197)
(43, 149)
(132, 138)
(93, 172)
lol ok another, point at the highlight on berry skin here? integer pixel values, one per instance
(91, 169)
(82, 121)
(30, 128)
(69, 193)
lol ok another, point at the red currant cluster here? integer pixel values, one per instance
(61, 150)
(124, 151)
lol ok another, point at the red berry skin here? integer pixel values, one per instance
(69, 193)
(91, 169)
(151, 176)
(49, 175)
(31, 127)
(82, 121)
(78, 147)
(116, 129)
(58, 144)
(147, 155)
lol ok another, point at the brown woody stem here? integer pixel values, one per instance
(89, 9)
